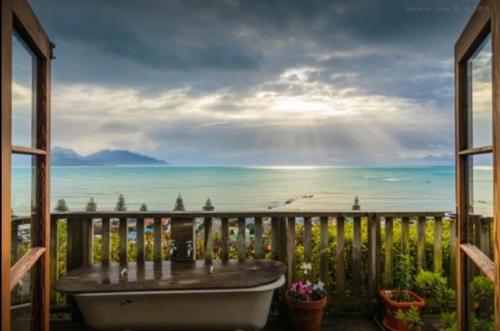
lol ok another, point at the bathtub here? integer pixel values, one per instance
(224, 309)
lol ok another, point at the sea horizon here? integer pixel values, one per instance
(250, 187)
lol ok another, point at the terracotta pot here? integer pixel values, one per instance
(305, 315)
(390, 322)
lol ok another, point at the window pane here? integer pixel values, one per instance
(23, 203)
(20, 311)
(481, 185)
(23, 94)
(481, 95)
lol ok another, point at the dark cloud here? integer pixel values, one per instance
(397, 49)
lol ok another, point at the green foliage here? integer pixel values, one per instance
(404, 277)
(143, 207)
(411, 318)
(482, 289)
(91, 205)
(179, 204)
(432, 285)
(61, 206)
(120, 204)
(449, 321)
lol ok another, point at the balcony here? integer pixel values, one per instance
(352, 252)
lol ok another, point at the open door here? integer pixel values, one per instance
(477, 74)
(26, 55)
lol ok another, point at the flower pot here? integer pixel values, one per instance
(305, 315)
(390, 322)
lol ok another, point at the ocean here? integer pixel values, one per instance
(255, 188)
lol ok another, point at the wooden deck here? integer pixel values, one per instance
(330, 323)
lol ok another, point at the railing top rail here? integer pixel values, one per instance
(237, 214)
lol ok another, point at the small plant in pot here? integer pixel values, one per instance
(402, 306)
(306, 302)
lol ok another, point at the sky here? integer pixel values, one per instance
(248, 82)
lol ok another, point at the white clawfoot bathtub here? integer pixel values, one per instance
(210, 309)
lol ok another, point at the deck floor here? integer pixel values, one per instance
(347, 323)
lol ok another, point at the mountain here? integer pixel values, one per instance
(106, 157)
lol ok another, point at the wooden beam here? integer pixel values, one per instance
(290, 248)
(438, 250)
(481, 260)
(106, 242)
(495, 12)
(225, 239)
(476, 150)
(323, 253)
(388, 261)
(340, 259)
(141, 256)
(242, 247)
(356, 258)
(123, 240)
(157, 234)
(208, 247)
(24, 264)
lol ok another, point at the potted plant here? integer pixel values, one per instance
(306, 302)
(402, 306)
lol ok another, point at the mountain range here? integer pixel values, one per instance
(67, 157)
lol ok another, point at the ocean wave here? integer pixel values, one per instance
(389, 179)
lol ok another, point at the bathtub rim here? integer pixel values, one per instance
(261, 288)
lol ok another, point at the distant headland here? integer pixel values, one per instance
(67, 157)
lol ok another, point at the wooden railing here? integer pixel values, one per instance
(353, 252)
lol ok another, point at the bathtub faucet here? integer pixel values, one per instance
(173, 248)
(189, 248)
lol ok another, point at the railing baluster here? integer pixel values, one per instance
(307, 242)
(242, 249)
(274, 238)
(225, 239)
(356, 258)
(75, 244)
(290, 243)
(323, 255)
(421, 242)
(388, 269)
(105, 249)
(405, 235)
(259, 249)
(372, 259)
(340, 272)
(88, 239)
(208, 241)
(54, 243)
(453, 256)
(141, 258)
(123, 234)
(157, 234)
(438, 250)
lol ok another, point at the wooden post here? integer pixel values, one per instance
(438, 251)
(105, 250)
(405, 235)
(209, 240)
(88, 240)
(123, 234)
(274, 238)
(54, 243)
(340, 261)
(242, 247)
(421, 243)
(157, 234)
(307, 243)
(75, 244)
(372, 259)
(453, 252)
(141, 257)
(259, 249)
(225, 239)
(290, 247)
(356, 258)
(323, 255)
(389, 262)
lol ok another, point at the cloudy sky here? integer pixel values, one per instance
(349, 82)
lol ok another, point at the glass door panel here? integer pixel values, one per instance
(24, 96)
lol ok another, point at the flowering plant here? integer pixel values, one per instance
(305, 291)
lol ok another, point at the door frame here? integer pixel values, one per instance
(17, 15)
(485, 20)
